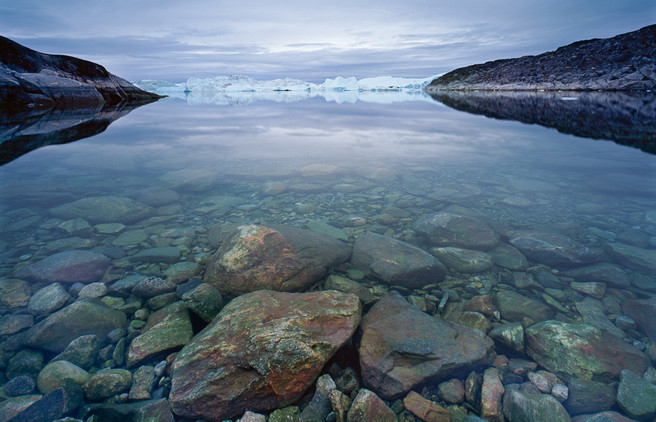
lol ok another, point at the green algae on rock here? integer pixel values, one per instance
(263, 351)
(579, 350)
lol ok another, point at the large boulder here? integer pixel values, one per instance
(104, 209)
(579, 350)
(448, 229)
(402, 348)
(554, 249)
(263, 351)
(67, 267)
(396, 262)
(84, 317)
(275, 258)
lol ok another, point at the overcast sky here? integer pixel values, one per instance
(308, 39)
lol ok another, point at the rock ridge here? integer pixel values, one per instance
(30, 79)
(623, 62)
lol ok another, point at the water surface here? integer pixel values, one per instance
(346, 165)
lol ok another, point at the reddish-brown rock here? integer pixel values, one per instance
(281, 258)
(263, 351)
(491, 396)
(402, 348)
(425, 409)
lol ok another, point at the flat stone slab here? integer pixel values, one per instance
(553, 249)
(104, 209)
(67, 267)
(448, 229)
(396, 262)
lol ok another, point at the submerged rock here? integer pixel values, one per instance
(605, 272)
(515, 307)
(643, 311)
(55, 375)
(447, 229)
(425, 409)
(14, 293)
(281, 258)
(418, 349)
(553, 249)
(587, 396)
(367, 406)
(167, 330)
(396, 262)
(579, 350)
(636, 396)
(519, 407)
(86, 316)
(56, 404)
(141, 411)
(48, 299)
(263, 351)
(67, 267)
(463, 260)
(633, 257)
(107, 383)
(104, 209)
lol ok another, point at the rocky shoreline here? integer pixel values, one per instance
(472, 322)
(34, 80)
(624, 62)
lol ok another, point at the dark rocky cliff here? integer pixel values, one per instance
(30, 79)
(624, 62)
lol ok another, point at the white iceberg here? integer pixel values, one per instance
(240, 89)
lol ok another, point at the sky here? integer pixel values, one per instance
(307, 39)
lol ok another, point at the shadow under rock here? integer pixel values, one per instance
(22, 132)
(626, 117)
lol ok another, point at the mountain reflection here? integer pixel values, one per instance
(21, 133)
(626, 117)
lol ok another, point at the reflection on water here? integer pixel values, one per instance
(21, 133)
(627, 117)
(356, 167)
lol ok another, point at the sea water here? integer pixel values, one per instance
(357, 167)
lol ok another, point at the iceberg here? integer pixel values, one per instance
(241, 89)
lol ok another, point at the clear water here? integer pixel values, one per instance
(312, 160)
(421, 155)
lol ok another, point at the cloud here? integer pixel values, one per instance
(309, 39)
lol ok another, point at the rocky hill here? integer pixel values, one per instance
(30, 79)
(624, 62)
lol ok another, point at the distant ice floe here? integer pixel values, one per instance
(241, 90)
